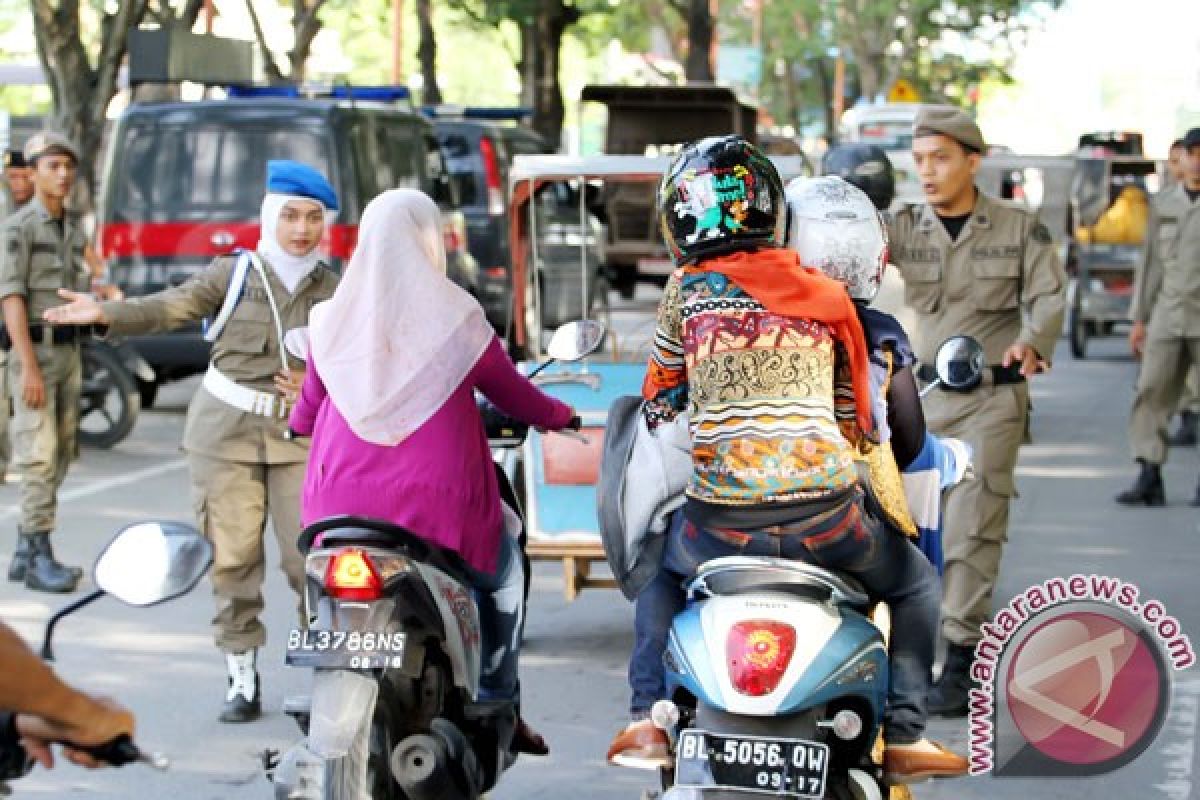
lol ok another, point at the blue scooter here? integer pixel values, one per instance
(777, 677)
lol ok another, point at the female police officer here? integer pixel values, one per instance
(242, 467)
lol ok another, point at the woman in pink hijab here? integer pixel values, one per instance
(395, 357)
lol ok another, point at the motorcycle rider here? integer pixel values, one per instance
(769, 360)
(38, 709)
(865, 166)
(243, 470)
(395, 357)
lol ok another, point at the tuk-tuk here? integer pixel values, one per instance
(1109, 208)
(656, 121)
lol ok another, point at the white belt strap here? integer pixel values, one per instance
(237, 283)
(243, 398)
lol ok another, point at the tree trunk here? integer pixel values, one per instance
(701, 29)
(305, 25)
(527, 67)
(82, 92)
(871, 69)
(551, 22)
(431, 93)
(825, 82)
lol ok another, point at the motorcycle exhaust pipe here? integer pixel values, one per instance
(421, 765)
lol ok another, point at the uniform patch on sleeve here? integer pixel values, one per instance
(1041, 234)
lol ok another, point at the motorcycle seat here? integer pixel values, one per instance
(347, 531)
(745, 574)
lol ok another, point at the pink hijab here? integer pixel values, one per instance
(397, 337)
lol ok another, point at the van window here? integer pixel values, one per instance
(465, 165)
(402, 149)
(177, 172)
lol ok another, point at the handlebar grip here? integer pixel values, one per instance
(118, 752)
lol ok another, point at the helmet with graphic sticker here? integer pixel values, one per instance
(836, 229)
(720, 194)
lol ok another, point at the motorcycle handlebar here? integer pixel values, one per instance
(117, 752)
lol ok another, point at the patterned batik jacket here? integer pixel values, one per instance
(769, 399)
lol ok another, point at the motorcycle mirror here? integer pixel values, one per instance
(145, 564)
(959, 363)
(151, 562)
(575, 340)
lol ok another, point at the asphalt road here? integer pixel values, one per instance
(161, 663)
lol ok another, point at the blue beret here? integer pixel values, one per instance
(301, 180)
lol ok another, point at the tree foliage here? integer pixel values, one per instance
(81, 47)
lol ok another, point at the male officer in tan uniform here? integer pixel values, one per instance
(43, 253)
(18, 190)
(1186, 435)
(243, 468)
(1166, 324)
(978, 266)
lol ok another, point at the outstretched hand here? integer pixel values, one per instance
(81, 309)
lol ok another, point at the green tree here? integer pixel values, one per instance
(81, 47)
(886, 39)
(542, 24)
(306, 24)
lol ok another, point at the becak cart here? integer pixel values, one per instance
(1109, 208)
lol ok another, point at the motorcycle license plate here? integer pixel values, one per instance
(345, 649)
(788, 767)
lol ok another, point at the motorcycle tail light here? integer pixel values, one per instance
(758, 653)
(351, 575)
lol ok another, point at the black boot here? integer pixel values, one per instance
(44, 573)
(1147, 490)
(950, 696)
(21, 558)
(243, 701)
(1185, 434)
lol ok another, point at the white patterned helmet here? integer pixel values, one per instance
(835, 228)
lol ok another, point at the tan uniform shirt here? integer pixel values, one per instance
(1167, 290)
(1000, 281)
(39, 260)
(247, 351)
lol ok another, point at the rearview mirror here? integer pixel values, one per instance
(152, 562)
(959, 363)
(575, 340)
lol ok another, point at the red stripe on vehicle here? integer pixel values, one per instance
(202, 240)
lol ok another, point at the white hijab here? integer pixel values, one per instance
(290, 269)
(397, 337)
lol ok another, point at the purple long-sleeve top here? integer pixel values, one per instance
(439, 482)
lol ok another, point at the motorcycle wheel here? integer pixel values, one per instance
(108, 402)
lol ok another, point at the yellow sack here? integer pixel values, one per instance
(886, 481)
(1123, 223)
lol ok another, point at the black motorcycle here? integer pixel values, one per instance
(394, 644)
(109, 400)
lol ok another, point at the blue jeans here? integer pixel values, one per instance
(500, 598)
(890, 567)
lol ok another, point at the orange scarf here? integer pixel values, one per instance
(775, 278)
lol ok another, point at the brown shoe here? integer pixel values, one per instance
(641, 745)
(915, 762)
(528, 741)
